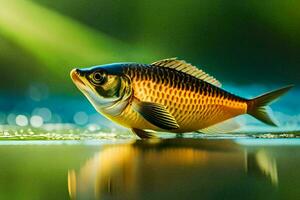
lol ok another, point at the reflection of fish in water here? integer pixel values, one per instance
(125, 171)
(167, 95)
(262, 163)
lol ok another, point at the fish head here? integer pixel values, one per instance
(104, 87)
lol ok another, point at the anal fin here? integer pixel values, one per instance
(227, 126)
(143, 134)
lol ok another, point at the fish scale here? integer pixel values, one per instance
(194, 104)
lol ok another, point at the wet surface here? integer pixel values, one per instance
(74, 132)
(182, 168)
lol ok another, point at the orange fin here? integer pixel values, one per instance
(258, 107)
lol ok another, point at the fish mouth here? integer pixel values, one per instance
(75, 76)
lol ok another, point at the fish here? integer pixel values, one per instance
(168, 95)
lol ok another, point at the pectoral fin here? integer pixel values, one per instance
(156, 114)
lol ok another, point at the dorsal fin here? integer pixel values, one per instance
(182, 66)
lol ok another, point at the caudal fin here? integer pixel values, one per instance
(257, 107)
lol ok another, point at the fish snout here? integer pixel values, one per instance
(76, 71)
(76, 75)
(73, 74)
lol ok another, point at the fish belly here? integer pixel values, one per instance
(131, 119)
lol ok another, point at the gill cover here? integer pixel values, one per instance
(119, 104)
(109, 93)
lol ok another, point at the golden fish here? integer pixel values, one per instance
(168, 95)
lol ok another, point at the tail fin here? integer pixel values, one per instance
(257, 107)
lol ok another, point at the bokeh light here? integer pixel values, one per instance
(81, 118)
(2, 118)
(21, 120)
(11, 119)
(44, 112)
(36, 121)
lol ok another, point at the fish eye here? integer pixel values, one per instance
(98, 77)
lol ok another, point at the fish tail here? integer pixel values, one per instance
(258, 107)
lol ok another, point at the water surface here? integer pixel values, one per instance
(182, 168)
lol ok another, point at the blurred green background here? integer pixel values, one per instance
(239, 42)
(251, 46)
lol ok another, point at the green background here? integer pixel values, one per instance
(239, 42)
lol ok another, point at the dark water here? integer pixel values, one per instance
(183, 168)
